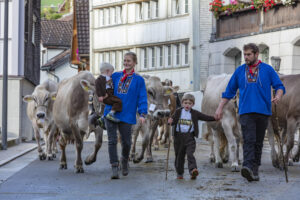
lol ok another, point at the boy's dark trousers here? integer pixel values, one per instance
(254, 126)
(184, 143)
(112, 100)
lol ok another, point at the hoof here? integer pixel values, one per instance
(149, 160)
(225, 160)
(296, 158)
(290, 163)
(89, 161)
(219, 165)
(156, 148)
(137, 160)
(166, 146)
(276, 164)
(63, 166)
(50, 157)
(212, 159)
(42, 156)
(79, 170)
(54, 155)
(235, 169)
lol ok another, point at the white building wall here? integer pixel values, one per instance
(280, 43)
(140, 31)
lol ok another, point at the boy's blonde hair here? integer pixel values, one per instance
(106, 66)
(188, 97)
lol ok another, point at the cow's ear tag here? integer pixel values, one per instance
(168, 91)
(28, 98)
(86, 88)
(53, 98)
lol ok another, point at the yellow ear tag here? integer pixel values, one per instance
(53, 98)
(168, 91)
(86, 88)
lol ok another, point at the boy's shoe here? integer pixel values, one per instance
(248, 174)
(101, 123)
(255, 173)
(125, 166)
(110, 116)
(194, 174)
(179, 176)
(115, 172)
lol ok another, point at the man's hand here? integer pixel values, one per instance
(142, 120)
(170, 121)
(278, 96)
(100, 99)
(106, 95)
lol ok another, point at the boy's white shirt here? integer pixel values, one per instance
(187, 116)
(107, 79)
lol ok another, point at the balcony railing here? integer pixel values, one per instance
(250, 22)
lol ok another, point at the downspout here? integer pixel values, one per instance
(53, 74)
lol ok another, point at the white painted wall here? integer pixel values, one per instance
(280, 43)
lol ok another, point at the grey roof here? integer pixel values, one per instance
(56, 33)
(57, 61)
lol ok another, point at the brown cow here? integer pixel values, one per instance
(39, 111)
(158, 108)
(70, 113)
(288, 112)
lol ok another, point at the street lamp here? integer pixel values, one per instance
(275, 61)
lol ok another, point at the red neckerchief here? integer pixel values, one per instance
(126, 75)
(253, 66)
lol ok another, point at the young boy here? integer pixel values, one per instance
(185, 121)
(105, 91)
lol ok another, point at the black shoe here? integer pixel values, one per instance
(247, 173)
(101, 123)
(255, 173)
(115, 172)
(125, 165)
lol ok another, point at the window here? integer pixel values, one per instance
(177, 49)
(119, 15)
(146, 10)
(186, 6)
(169, 54)
(107, 57)
(106, 17)
(155, 8)
(238, 59)
(153, 57)
(160, 49)
(101, 17)
(177, 7)
(113, 15)
(119, 60)
(265, 55)
(186, 53)
(139, 12)
(145, 58)
(113, 58)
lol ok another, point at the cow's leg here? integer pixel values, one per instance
(37, 136)
(50, 141)
(291, 130)
(156, 146)
(209, 137)
(98, 143)
(216, 142)
(145, 141)
(297, 152)
(79, 145)
(149, 157)
(63, 159)
(232, 146)
(274, 155)
(135, 133)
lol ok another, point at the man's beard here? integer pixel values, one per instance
(251, 62)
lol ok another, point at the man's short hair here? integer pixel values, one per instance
(106, 66)
(251, 46)
(187, 96)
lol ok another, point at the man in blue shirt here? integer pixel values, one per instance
(254, 80)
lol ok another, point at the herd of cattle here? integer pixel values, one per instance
(61, 111)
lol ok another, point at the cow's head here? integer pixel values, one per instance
(42, 100)
(158, 97)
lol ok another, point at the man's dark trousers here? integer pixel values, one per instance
(254, 126)
(184, 144)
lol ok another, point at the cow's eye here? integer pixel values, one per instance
(151, 93)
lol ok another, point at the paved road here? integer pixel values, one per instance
(30, 178)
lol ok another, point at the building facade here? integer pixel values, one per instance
(23, 62)
(167, 36)
(276, 32)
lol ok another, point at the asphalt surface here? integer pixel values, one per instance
(29, 178)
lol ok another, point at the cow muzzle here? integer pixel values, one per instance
(161, 114)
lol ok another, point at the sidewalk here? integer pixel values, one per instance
(16, 151)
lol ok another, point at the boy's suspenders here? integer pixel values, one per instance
(190, 125)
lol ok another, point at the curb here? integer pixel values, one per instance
(4, 162)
